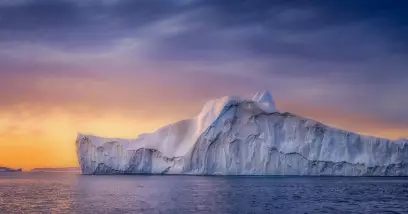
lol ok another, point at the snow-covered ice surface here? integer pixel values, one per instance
(234, 136)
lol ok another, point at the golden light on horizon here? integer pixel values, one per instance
(29, 140)
(49, 140)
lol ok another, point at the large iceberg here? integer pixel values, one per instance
(235, 136)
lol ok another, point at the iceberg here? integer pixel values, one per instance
(6, 169)
(236, 136)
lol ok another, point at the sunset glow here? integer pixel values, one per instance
(118, 69)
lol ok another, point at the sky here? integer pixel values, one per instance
(121, 68)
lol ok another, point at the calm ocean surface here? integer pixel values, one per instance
(74, 193)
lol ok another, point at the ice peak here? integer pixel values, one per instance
(264, 96)
(265, 100)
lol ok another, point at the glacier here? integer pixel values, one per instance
(236, 136)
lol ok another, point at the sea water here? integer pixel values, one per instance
(75, 193)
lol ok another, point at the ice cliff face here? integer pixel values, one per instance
(233, 136)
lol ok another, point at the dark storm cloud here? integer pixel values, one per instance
(326, 13)
(264, 25)
(337, 28)
(80, 23)
(315, 30)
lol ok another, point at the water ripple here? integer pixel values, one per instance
(73, 193)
